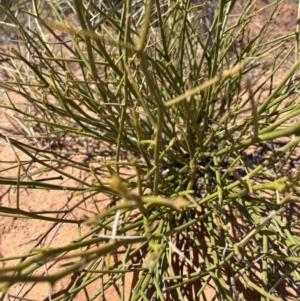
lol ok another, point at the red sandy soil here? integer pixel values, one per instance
(19, 236)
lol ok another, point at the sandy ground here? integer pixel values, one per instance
(19, 236)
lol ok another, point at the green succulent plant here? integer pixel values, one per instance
(178, 122)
